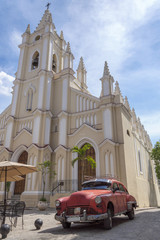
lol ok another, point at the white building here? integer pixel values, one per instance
(52, 111)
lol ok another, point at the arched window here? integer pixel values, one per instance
(29, 100)
(107, 164)
(88, 171)
(77, 123)
(112, 164)
(35, 60)
(84, 104)
(54, 63)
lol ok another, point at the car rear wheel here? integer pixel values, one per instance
(131, 214)
(66, 224)
(108, 220)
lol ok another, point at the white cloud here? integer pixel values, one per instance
(151, 122)
(104, 30)
(15, 40)
(6, 82)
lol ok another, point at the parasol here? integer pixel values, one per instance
(13, 169)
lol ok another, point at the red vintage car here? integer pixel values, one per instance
(99, 200)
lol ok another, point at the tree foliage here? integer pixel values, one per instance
(83, 157)
(45, 168)
(155, 155)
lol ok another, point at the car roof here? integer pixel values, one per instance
(98, 180)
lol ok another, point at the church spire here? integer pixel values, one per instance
(28, 29)
(81, 73)
(106, 70)
(126, 104)
(68, 49)
(117, 89)
(61, 35)
(46, 19)
(81, 64)
(107, 81)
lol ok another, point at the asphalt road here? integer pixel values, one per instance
(145, 226)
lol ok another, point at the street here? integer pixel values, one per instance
(145, 226)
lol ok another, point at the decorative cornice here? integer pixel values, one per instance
(107, 140)
(21, 132)
(83, 126)
(61, 146)
(87, 95)
(45, 72)
(6, 150)
(44, 112)
(62, 113)
(40, 147)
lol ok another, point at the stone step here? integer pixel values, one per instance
(15, 197)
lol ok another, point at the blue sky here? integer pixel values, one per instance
(125, 33)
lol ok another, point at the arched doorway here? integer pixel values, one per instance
(20, 185)
(88, 171)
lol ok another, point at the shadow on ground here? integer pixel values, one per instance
(123, 228)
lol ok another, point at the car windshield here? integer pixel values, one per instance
(96, 185)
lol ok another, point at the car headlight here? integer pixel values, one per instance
(98, 200)
(57, 203)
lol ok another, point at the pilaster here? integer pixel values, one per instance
(9, 133)
(62, 128)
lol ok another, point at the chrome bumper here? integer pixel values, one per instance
(77, 218)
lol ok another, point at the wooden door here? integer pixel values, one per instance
(88, 171)
(20, 185)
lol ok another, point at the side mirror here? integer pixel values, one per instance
(115, 189)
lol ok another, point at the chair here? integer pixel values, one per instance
(17, 211)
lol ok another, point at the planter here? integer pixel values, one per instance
(42, 205)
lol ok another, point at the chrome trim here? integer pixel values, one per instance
(84, 218)
(130, 203)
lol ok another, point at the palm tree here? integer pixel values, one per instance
(82, 157)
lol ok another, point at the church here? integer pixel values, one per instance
(52, 111)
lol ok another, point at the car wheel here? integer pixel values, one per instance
(131, 214)
(66, 224)
(108, 220)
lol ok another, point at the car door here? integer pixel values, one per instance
(117, 197)
(123, 198)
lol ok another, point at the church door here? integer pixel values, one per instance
(88, 171)
(20, 185)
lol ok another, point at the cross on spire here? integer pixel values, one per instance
(47, 6)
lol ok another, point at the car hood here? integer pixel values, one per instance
(83, 197)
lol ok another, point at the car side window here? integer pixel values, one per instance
(115, 185)
(121, 188)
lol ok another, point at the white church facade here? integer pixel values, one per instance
(52, 111)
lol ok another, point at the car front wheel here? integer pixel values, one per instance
(66, 224)
(131, 214)
(108, 220)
